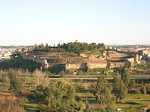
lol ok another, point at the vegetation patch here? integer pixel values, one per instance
(19, 62)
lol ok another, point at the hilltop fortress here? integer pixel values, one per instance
(83, 61)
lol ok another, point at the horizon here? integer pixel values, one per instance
(79, 42)
(110, 22)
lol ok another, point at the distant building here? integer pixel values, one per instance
(76, 40)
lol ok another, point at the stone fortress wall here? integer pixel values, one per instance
(91, 65)
(85, 65)
(95, 65)
(36, 59)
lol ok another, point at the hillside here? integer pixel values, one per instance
(19, 62)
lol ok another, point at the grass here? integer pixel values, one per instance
(19, 62)
(55, 69)
(4, 86)
(30, 106)
(145, 98)
(131, 103)
(99, 69)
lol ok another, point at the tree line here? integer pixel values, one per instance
(72, 47)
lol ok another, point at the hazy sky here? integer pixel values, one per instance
(26, 22)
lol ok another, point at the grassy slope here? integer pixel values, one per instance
(19, 62)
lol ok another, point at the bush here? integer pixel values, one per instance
(11, 106)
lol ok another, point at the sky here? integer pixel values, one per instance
(120, 22)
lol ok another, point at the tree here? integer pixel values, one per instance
(81, 106)
(62, 73)
(59, 96)
(46, 47)
(41, 78)
(41, 47)
(23, 49)
(11, 106)
(35, 47)
(102, 91)
(119, 88)
(107, 53)
(125, 76)
(112, 105)
(88, 107)
(15, 84)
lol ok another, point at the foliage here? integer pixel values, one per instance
(19, 62)
(88, 107)
(15, 84)
(75, 47)
(119, 88)
(112, 105)
(102, 91)
(81, 72)
(11, 106)
(59, 96)
(55, 69)
(127, 79)
(41, 78)
(4, 78)
(62, 73)
(144, 65)
(99, 69)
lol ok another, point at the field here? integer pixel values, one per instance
(117, 56)
(132, 102)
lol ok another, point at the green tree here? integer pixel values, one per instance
(46, 47)
(119, 88)
(107, 53)
(15, 84)
(127, 79)
(35, 47)
(112, 105)
(59, 96)
(81, 106)
(102, 91)
(41, 47)
(62, 73)
(88, 107)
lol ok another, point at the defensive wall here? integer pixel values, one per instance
(117, 64)
(36, 59)
(46, 63)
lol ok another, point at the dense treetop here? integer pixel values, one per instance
(72, 47)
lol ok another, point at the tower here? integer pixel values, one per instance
(137, 58)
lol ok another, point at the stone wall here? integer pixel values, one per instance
(36, 59)
(97, 65)
(131, 62)
(76, 66)
(117, 64)
(103, 64)
(85, 65)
